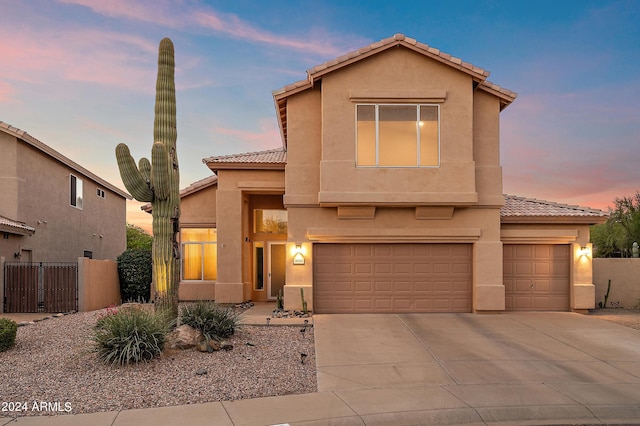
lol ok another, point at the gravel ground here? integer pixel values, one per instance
(53, 362)
(629, 317)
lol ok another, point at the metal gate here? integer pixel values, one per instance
(40, 287)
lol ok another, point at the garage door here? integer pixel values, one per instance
(358, 278)
(536, 277)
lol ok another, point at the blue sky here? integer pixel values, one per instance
(80, 76)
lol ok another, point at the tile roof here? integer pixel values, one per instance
(313, 74)
(273, 158)
(521, 207)
(26, 137)
(19, 227)
(194, 187)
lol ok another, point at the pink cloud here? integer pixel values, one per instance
(267, 138)
(185, 16)
(106, 58)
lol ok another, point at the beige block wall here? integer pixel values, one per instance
(98, 284)
(625, 281)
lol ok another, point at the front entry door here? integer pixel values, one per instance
(276, 268)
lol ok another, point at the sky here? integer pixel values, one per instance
(79, 75)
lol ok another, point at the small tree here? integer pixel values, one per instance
(137, 238)
(616, 236)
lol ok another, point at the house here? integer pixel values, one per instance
(386, 196)
(51, 208)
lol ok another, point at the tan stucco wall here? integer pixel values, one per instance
(9, 176)
(198, 210)
(234, 240)
(98, 284)
(41, 200)
(321, 131)
(401, 71)
(625, 281)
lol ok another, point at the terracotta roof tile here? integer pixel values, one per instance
(21, 227)
(273, 156)
(526, 207)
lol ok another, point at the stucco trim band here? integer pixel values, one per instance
(539, 236)
(417, 96)
(396, 235)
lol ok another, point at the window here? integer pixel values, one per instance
(397, 135)
(100, 192)
(76, 191)
(199, 254)
(270, 221)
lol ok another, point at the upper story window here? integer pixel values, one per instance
(75, 191)
(270, 221)
(397, 135)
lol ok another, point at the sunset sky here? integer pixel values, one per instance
(80, 76)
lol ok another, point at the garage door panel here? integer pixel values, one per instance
(544, 266)
(394, 277)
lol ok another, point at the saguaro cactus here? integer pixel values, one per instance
(158, 182)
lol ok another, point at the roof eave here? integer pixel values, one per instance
(244, 166)
(23, 231)
(580, 220)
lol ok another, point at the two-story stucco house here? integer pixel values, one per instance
(386, 196)
(51, 208)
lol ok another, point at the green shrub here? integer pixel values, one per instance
(135, 273)
(212, 320)
(130, 335)
(8, 330)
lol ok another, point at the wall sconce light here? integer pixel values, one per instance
(584, 251)
(298, 257)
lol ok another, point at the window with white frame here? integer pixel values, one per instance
(75, 191)
(199, 254)
(397, 135)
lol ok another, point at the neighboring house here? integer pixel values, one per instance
(385, 197)
(51, 208)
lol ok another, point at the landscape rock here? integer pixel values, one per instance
(203, 346)
(226, 345)
(183, 337)
(215, 346)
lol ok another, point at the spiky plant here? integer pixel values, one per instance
(158, 182)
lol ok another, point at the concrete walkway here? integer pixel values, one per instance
(538, 368)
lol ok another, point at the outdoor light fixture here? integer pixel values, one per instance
(584, 251)
(298, 258)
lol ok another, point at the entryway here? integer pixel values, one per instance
(269, 267)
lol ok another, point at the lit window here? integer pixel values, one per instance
(397, 135)
(199, 254)
(75, 192)
(270, 221)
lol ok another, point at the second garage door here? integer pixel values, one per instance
(536, 277)
(359, 278)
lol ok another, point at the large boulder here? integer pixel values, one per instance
(184, 337)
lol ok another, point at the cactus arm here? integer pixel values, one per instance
(145, 169)
(131, 176)
(160, 171)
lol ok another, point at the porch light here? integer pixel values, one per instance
(298, 258)
(584, 251)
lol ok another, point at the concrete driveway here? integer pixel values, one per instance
(533, 368)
